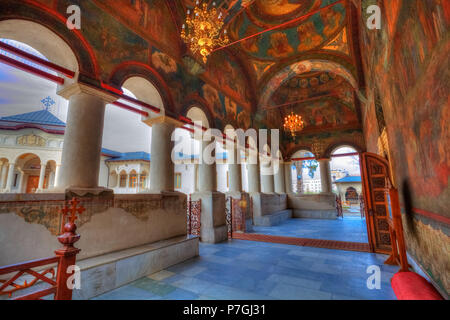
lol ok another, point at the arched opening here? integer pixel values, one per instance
(351, 195)
(42, 39)
(127, 139)
(133, 180)
(305, 173)
(189, 149)
(29, 176)
(123, 177)
(143, 180)
(33, 115)
(345, 174)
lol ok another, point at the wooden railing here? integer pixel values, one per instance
(64, 258)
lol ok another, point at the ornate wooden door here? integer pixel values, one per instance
(375, 172)
(32, 184)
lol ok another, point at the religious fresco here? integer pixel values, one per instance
(322, 115)
(223, 71)
(261, 67)
(277, 8)
(183, 84)
(151, 19)
(226, 111)
(328, 139)
(108, 36)
(312, 85)
(307, 34)
(325, 115)
(339, 43)
(412, 75)
(299, 68)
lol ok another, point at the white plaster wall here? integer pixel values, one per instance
(112, 230)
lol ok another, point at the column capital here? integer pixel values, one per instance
(324, 159)
(78, 87)
(163, 119)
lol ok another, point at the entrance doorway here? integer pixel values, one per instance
(32, 184)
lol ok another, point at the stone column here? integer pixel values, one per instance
(288, 176)
(254, 185)
(234, 172)
(118, 181)
(279, 178)
(267, 179)
(325, 175)
(207, 173)
(10, 180)
(127, 186)
(51, 180)
(195, 177)
(57, 171)
(42, 177)
(299, 173)
(213, 217)
(162, 167)
(22, 176)
(4, 175)
(83, 137)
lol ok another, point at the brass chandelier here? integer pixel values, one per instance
(202, 30)
(293, 123)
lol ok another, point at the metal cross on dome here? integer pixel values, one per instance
(47, 102)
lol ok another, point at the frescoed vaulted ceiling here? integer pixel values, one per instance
(307, 60)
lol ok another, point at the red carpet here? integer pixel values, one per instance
(316, 243)
(411, 286)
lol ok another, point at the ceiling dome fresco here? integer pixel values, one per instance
(323, 21)
(268, 12)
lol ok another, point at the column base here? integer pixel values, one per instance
(255, 197)
(213, 217)
(268, 207)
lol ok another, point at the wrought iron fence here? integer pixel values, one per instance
(194, 212)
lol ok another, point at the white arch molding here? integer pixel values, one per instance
(146, 92)
(42, 39)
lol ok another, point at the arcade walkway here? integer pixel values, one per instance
(351, 229)
(256, 270)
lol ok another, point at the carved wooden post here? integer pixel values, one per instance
(67, 255)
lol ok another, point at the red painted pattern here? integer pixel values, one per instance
(303, 242)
